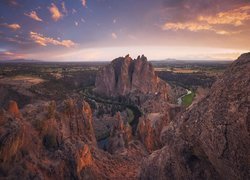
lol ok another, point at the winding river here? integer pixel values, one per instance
(179, 100)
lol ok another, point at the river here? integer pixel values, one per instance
(179, 100)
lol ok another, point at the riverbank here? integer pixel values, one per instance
(186, 99)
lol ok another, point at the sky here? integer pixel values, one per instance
(93, 30)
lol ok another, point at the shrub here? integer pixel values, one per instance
(50, 141)
(130, 115)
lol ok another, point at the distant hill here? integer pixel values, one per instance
(20, 61)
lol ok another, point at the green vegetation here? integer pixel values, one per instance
(188, 99)
(130, 115)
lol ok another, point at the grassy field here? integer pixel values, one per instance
(188, 99)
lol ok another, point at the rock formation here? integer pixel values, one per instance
(46, 139)
(136, 81)
(125, 76)
(149, 130)
(79, 117)
(120, 136)
(57, 141)
(13, 109)
(210, 140)
(11, 139)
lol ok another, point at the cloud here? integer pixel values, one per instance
(132, 37)
(7, 55)
(114, 36)
(12, 26)
(189, 26)
(56, 14)
(83, 20)
(64, 9)
(12, 2)
(195, 27)
(16, 40)
(84, 3)
(235, 17)
(74, 11)
(33, 15)
(44, 41)
(218, 23)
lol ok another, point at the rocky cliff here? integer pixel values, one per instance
(210, 140)
(125, 76)
(50, 140)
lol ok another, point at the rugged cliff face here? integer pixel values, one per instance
(46, 141)
(149, 130)
(210, 140)
(137, 82)
(126, 76)
(57, 141)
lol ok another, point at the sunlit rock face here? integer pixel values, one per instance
(210, 140)
(13, 109)
(52, 140)
(125, 76)
(120, 136)
(149, 130)
(44, 137)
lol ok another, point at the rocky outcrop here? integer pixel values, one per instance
(211, 139)
(120, 136)
(13, 109)
(149, 130)
(11, 139)
(47, 137)
(56, 141)
(125, 76)
(80, 120)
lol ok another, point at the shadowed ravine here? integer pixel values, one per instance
(102, 142)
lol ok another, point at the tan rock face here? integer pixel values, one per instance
(149, 130)
(210, 140)
(120, 136)
(11, 140)
(13, 109)
(61, 146)
(79, 118)
(125, 76)
(46, 129)
(84, 158)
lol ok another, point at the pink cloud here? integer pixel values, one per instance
(114, 35)
(84, 3)
(234, 17)
(14, 26)
(56, 14)
(7, 55)
(33, 15)
(44, 41)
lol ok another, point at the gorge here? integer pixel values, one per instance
(158, 140)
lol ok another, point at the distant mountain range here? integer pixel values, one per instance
(165, 61)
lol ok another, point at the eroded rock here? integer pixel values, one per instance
(126, 76)
(210, 140)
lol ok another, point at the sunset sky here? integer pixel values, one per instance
(87, 30)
